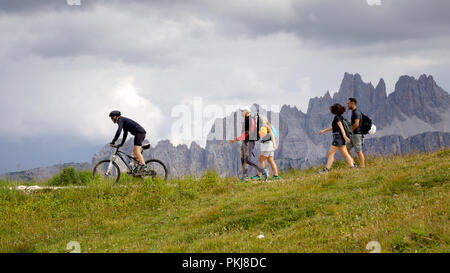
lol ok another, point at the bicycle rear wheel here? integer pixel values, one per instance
(156, 169)
(101, 171)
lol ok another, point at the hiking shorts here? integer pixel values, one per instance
(356, 141)
(338, 140)
(138, 139)
(267, 149)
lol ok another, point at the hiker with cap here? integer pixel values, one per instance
(248, 138)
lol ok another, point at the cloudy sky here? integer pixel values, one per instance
(63, 67)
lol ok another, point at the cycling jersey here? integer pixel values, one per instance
(128, 125)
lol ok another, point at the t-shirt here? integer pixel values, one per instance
(335, 125)
(356, 114)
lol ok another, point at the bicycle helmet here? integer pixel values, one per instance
(114, 113)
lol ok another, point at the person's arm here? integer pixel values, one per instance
(244, 134)
(343, 131)
(326, 130)
(356, 125)
(124, 137)
(357, 117)
(119, 131)
(274, 140)
(241, 137)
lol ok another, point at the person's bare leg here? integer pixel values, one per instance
(262, 163)
(273, 165)
(137, 153)
(349, 152)
(331, 152)
(362, 160)
(346, 155)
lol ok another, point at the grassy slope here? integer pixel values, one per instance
(402, 202)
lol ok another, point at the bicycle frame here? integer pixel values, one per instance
(119, 154)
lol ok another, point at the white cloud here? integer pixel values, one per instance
(76, 100)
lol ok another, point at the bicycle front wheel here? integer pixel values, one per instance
(156, 169)
(107, 170)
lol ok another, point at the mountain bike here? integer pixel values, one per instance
(109, 169)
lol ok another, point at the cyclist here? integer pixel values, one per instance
(129, 125)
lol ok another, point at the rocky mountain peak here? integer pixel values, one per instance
(353, 86)
(425, 78)
(422, 98)
(327, 95)
(381, 86)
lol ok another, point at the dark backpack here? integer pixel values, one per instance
(366, 124)
(253, 135)
(347, 127)
(258, 126)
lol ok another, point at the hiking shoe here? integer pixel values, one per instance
(276, 177)
(136, 169)
(140, 169)
(144, 169)
(256, 177)
(244, 177)
(354, 166)
(323, 171)
(265, 174)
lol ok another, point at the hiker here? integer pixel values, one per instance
(248, 138)
(339, 138)
(268, 147)
(356, 140)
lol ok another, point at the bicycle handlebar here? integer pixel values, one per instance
(117, 147)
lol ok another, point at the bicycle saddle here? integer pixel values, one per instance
(146, 146)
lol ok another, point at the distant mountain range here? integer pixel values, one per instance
(43, 173)
(415, 117)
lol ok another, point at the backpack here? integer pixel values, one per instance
(258, 126)
(268, 137)
(253, 135)
(274, 131)
(366, 124)
(347, 127)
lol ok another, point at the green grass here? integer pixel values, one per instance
(400, 201)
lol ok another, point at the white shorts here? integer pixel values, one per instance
(267, 154)
(267, 149)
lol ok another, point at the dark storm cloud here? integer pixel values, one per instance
(329, 23)
(349, 22)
